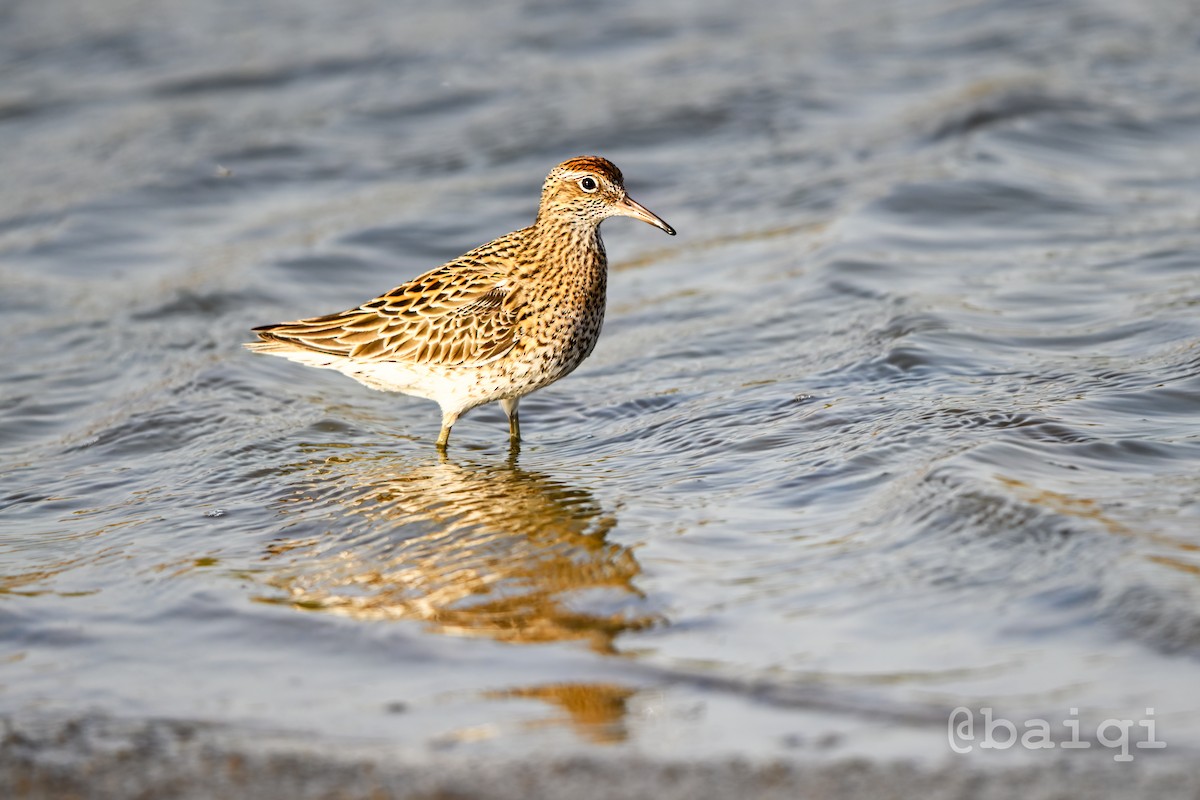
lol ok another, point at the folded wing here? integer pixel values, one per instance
(453, 316)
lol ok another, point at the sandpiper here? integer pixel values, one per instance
(495, 324)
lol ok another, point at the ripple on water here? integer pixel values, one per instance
(988, 203)
(199, 305)
(1001, 107)
(308, 70)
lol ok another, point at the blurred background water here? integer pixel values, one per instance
(906, 418)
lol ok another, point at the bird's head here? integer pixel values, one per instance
(588, 190)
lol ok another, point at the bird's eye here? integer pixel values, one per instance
(588, 184)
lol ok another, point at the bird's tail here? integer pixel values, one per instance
(286, 349)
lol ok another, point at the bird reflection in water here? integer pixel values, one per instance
(470, 549)
(595, 711)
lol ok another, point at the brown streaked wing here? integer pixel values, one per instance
(449, 317)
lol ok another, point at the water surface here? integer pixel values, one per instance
(906, 418)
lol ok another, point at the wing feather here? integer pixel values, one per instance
(461, 314)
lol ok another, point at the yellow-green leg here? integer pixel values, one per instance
(514, 420)
(448, 420)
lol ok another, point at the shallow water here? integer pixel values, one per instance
(906, 418)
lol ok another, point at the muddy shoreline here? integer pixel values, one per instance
(100, 758)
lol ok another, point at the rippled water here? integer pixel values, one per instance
(907, 417)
